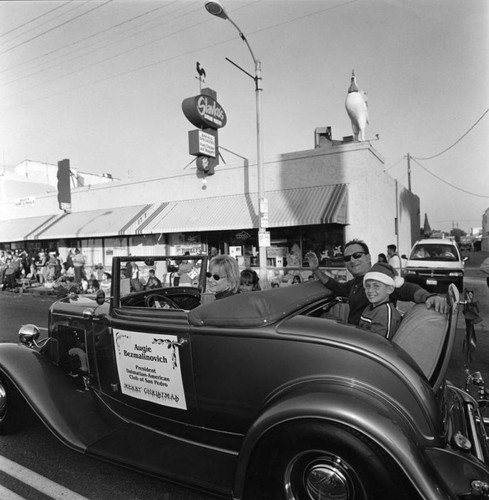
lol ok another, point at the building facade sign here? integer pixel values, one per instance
(203, 142)
(28, 201)
(204, 112)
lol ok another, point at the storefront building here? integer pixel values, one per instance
(318, 199)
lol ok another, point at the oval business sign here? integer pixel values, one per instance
(203, 111)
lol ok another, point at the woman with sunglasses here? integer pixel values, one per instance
(358, 262)
(223, 276)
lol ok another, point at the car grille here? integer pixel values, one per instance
(433, 273)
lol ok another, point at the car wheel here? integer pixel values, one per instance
(11, 407)
(324, 462)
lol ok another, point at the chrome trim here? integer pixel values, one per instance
(471, 409)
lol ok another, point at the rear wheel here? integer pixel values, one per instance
(319, 461)
(12, 409)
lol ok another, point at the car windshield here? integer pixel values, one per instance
(441, 252)
(158, 272)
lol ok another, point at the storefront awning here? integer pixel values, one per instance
(93, 223)
(22, 229)
(292, 207)
(307, 206)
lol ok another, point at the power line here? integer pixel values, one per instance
(28, 32)
(55, 27)
(456, 142)
(446, 182)
(172, 57)
(123, 73)
(397, 163)
(83, 68)
(35, 18)
(298, 18)
(64, 61)
(88, 37)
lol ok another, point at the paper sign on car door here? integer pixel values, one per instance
(149, 367)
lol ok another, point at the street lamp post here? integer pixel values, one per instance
(216, 9)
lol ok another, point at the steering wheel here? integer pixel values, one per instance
(160, 302)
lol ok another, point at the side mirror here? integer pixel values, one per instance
(100, 297)
(28, 334)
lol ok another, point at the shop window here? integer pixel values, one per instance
(289, 245)
(327, 242)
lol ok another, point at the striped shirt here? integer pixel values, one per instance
(383, 319)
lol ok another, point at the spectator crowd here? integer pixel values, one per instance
(21, 269)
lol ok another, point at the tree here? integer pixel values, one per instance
(457, 233)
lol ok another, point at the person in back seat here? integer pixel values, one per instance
(358, 261)
(381, 316)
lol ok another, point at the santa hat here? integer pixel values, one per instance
(385, 274)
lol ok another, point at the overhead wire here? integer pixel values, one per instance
(397, 163)
(77, 6)
(93, 35)
(35, 18)
(28, 32)
(298, 18)
(122, 73)
(109, 58)
(418, 159)
(91, 52)
(120, 54)
(456, 142)
(145, 66)
(446, 182)
(56, 27)
(193, 9)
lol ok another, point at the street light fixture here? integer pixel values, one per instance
(217, 9)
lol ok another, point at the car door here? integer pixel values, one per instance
(144, 366)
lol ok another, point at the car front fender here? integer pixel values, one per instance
(375, 419)
(76, 417)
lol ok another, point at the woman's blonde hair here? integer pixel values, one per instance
(228, 266)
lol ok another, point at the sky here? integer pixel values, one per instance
(102, 82)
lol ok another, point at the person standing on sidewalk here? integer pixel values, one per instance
(393, 259)
(79, 265)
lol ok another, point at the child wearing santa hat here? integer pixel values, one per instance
(381, 316)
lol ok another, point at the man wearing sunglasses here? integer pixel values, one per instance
(358, 262)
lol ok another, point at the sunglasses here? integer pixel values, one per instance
(355, 256)
(215, 276)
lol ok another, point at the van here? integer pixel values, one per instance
(434, 264)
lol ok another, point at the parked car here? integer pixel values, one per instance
(434, 264)
(466, 243)
(256, 396)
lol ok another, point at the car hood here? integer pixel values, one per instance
(75, 305)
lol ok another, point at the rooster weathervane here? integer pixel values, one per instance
(201, 73)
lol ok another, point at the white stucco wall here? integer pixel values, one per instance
(372, 192)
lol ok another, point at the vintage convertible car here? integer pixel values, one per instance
(258, 396)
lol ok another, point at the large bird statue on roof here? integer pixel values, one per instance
(357, 109)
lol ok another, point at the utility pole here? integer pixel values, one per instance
(409, 171)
